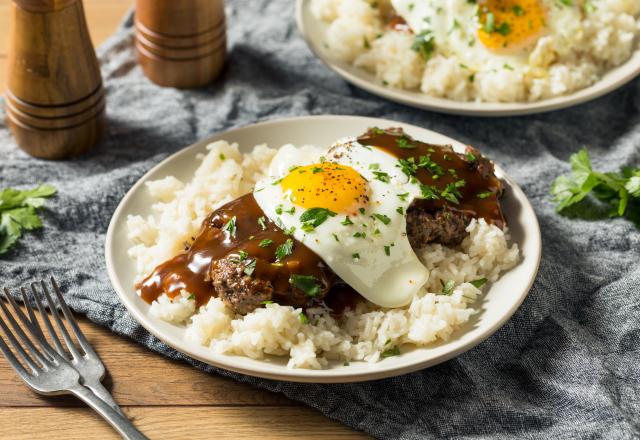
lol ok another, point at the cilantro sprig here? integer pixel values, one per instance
(617, 192)
(18, 213)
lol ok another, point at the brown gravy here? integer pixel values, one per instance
(478, 198)
(190, 269)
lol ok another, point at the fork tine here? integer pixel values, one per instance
(31, 324)
(32, 316)
(23, 336)
(82, 340)
(13, 361)
(47, 322)
(56, 316)
(27, 360)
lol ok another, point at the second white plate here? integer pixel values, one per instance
(314, 31)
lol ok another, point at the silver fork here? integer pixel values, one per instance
(89, 365)
(47, 372)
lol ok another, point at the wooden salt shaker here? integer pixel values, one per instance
(181, 43)
(55, 99)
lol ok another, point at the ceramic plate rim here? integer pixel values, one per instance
(612, 80)
(271, 371)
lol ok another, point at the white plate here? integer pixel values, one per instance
(314, 30)
(499, 303)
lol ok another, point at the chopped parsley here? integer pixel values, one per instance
(279, 209)
(403, 196)
(400, 210)
(346, 222)
(377, 130)
(484, 194)
(424, 43)
(262, 223)
(471, 157)
(191, 297)
(447, 287)
(387, 250)
(393, 351)
(517, 10)
(451, 192)
(428, 164)
(383, 218)
(243, 255)
(314, 217)
(309, 284)
(404, 142)
(303, 318)
(222, 156)
(374, 166)
(360, 234)
(284, 250)
(429, 192)
(266, 301)
(408, 166)
(355, 256)
(489, 23)
(478, 283)
(335, 237)
(230, 227)
(316, 170)
(265, 243)
(249, 268)
(382, 176)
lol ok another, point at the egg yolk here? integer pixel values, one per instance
(507, 25)
(329, 185)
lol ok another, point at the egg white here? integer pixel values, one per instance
(386, 280)
(454, 25)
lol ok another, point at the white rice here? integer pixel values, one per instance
(363, 334)
(575, 55)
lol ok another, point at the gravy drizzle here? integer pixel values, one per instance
(477, 198)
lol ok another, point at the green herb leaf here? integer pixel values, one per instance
(250, 267)
(316, 216)
(478, 283)
(383, 218)
(424, 43)
(266, 301)
(382, 176)
(303, 318)
(447, 287)
(309, 284)
(265, 243)
(284, 250)
(18, 212)
(484, 194)
(262, 223)
(243, 255)
(393, 351)
(230, 227)
(346, 222)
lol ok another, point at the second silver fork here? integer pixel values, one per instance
(89, 365)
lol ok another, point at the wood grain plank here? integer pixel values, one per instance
(141, 377)
(176, 423)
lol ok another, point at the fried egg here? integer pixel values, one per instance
(349, 206)
(490, 34)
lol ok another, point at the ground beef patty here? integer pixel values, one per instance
(244, 293)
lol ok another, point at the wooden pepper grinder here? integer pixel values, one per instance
(55, 100)
(181, 43)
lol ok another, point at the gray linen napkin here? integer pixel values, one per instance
(565, 366)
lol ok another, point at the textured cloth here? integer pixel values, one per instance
(565, 366)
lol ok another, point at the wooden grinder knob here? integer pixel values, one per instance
(181, 43)
(55, 99)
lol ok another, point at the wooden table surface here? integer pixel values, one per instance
(165, 399)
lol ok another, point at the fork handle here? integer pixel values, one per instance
(121, 424)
